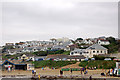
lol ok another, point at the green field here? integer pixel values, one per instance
(50, 63)
(100, 64)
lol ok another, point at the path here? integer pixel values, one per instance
(72, 65)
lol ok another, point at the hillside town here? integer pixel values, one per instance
(29, 55)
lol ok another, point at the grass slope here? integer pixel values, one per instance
(100, 64)
(55, 64)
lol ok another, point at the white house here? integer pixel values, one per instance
(103, 42)
(95, 49)
(87, 41)
(14, 51)
(77, 52)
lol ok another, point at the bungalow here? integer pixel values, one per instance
(59, 57)
(16, 65)
(76, 58)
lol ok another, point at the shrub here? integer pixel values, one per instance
(50, 63)
(100, 64)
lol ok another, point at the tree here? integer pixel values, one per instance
(111, 40)
(40, 53)
(79, 39)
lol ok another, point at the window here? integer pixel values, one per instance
(104, 51)
(71, 53)
(101, 51)
(93, 51)
(97, 51)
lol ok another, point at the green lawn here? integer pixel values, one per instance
(66, 52)
(100, 64)
(50, 63)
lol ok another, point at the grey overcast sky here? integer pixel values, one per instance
(43, 20)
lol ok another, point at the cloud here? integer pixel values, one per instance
(43, 20)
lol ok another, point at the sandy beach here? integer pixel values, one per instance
(55, 72)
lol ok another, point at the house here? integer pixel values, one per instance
(72, 47)
(62, 57)
(78, 52)
(14, 51)
(76, 58)
(66, 48)
(26, 57)
(87, 41)
(57, 57)
(79, 41)
(9, 44)
(16, 65)
(35, 49)
(19, 45)
(96, 49)
(30, 49)
(102, 37)
(38, 58)
(103, 42)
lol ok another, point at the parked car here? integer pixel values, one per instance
(86, 59)
(49, 59)
(92, 58)
(64, 59)
(108, 59)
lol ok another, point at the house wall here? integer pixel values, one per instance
(24, 57)
(97, 52)
(30, 67)
(78, 53)
(5, 67)
(118, 65)
(103, 42)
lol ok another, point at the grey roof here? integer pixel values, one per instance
(13, 50)
(97, 47)
(28, 48)
(58, 46)
(79, 50)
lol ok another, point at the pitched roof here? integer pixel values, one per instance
(97, 47)
(14, 62)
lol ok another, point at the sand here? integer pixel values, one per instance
(48, 71)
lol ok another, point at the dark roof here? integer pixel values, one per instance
(14, 62)
(58, 56)
(77, 57)
(8, 62)
(61, 56)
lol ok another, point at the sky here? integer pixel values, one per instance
(22, 21)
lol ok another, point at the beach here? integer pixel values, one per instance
(48, 72)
